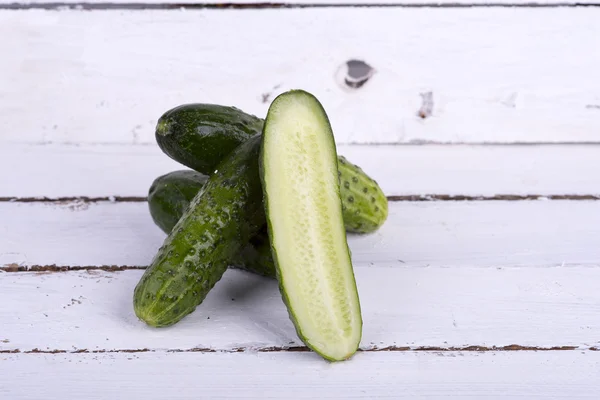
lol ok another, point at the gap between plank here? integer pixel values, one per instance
(394, 198)
(277, 349)
(13, 267)
(50, 268)
(410, 143)
(498, 197)
(75, 199)
(250, 6)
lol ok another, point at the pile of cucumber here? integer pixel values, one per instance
(269, 196)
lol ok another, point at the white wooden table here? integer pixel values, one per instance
(480, 121)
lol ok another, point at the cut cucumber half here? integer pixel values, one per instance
(299, 174)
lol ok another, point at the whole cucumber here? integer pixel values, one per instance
(171, 194)
(364, 205)
(219, 222)
(200, 135)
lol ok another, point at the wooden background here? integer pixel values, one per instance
(480, 120)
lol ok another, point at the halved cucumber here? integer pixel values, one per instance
(299, 173)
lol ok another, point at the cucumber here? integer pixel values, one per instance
(200, 135)
(363, 210)
(256, 256)
(171, 194)
(364, 205)
(219, 222)
(298, 169)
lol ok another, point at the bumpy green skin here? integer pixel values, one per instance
(256, 256)
(219, 222)
(171, 194)
(364, 209)
(364, 206)
(199, 136)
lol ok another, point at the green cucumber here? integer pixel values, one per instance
(256, 256)
(219, 222)
(200, 135)
(298, 169)
(171, 194)
(364, 205)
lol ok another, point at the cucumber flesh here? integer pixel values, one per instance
(306, 229)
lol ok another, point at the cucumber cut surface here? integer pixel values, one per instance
(306, 228)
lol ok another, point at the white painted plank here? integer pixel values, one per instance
(402, 307)
(318, 3)
(461, 234)
(529, 375)
(99, 171)
(495, 77)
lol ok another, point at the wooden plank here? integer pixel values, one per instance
(102, 171)
(494, 76)
(154, 4)
(402, 308)
(511, 375)
(461, 234)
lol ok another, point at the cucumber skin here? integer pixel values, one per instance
(280, 280)
(220, 221)
(200, 135)
(256, 256)
(171, 194)
(364, 205)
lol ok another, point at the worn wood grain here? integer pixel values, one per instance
(56, 171)
(77, 76)
(402, 309)
(457, 234)
(257, 4)
(179, 376)
(471, 299)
